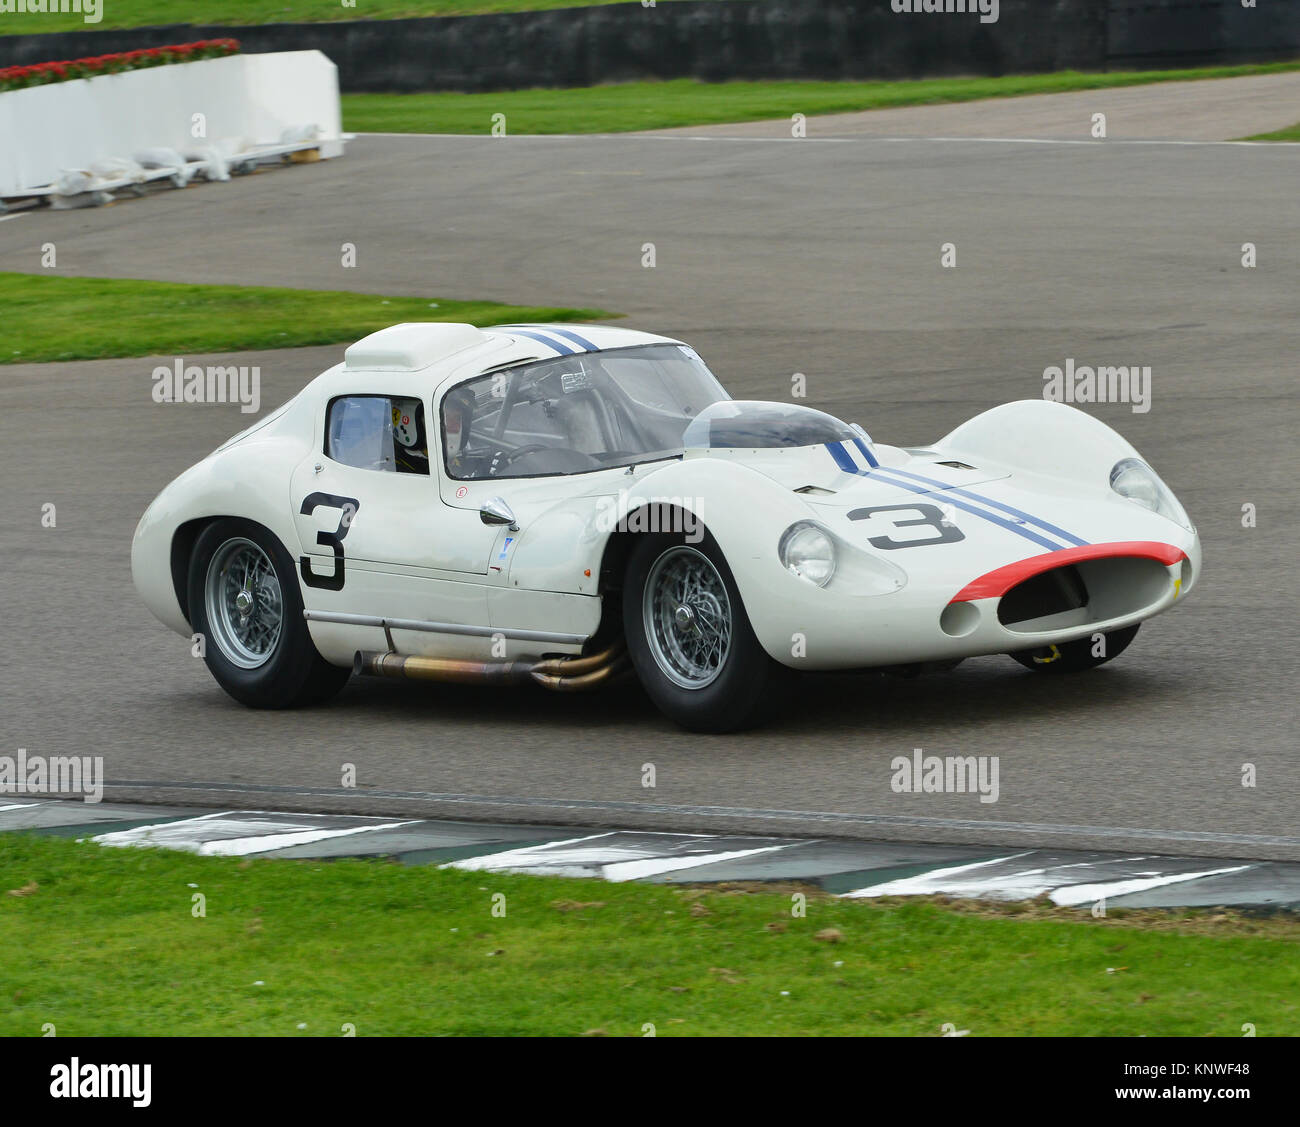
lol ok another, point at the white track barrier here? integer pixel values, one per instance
(254, 100)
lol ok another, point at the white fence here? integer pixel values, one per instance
(249, 104)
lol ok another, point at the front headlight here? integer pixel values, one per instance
(808, 552)
(1138, 482)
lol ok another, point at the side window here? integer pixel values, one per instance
(378, 432)
(554, 423)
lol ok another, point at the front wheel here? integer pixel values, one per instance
(245, 603)
(690, 640)
(1081, 654)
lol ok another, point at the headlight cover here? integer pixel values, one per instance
(1138, 482)
(807, 551)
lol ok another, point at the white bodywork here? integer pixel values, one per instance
(1034, 493)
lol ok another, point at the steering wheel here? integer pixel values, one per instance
(514, 455)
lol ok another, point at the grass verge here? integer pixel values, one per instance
(660, 105)
(148, 13)
(1291, 134)
(105, 942)
(48, 317)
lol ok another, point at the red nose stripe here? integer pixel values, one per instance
(999, 582)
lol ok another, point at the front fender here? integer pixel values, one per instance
(744, 510)
(1040, 437)
(563, 548)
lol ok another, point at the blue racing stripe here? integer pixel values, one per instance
(847, 464)
(842, 459)
(559, 346)
(568, 334)
(866, 452)
(992, 504)
(1010, 526)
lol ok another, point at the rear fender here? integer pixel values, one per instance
(230, 483)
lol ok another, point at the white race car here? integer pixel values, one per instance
(546, 503)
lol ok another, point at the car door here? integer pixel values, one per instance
(379, 543)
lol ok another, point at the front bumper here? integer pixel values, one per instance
(804, 627)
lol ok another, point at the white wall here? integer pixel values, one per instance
(69, 125)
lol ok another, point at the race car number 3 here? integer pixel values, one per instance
(931, 516)
(347, 507)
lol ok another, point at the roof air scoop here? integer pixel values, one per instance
(411, 346)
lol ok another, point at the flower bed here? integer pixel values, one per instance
(41, 74)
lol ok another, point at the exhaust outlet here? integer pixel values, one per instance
(559, 674)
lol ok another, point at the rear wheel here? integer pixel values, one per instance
(690, 640)
(245, 602)
(1081, 654)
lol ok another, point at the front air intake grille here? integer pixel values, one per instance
(1091, 591)
(1051, 592)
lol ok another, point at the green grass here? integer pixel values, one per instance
(660, 105)
(105, 944)
(49, 317)
(146, 13)
(1291, 134)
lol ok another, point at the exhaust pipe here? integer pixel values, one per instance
(560, 674)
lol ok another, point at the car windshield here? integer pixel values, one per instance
(576, 413)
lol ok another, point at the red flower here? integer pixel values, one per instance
(113, 63)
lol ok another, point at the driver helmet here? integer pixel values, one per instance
(457, 419)
(406, 425)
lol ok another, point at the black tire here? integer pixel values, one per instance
(289, 673)
(744, 688)
(1076, 656)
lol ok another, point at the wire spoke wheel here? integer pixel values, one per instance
(244, 603)
(688, 617)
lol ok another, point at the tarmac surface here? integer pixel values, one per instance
(1224, 109)
(773, 257)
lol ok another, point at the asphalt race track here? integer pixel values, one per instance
(773, 256)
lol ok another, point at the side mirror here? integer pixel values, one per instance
(495, 511)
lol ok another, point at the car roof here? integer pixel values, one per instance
(417, 357)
